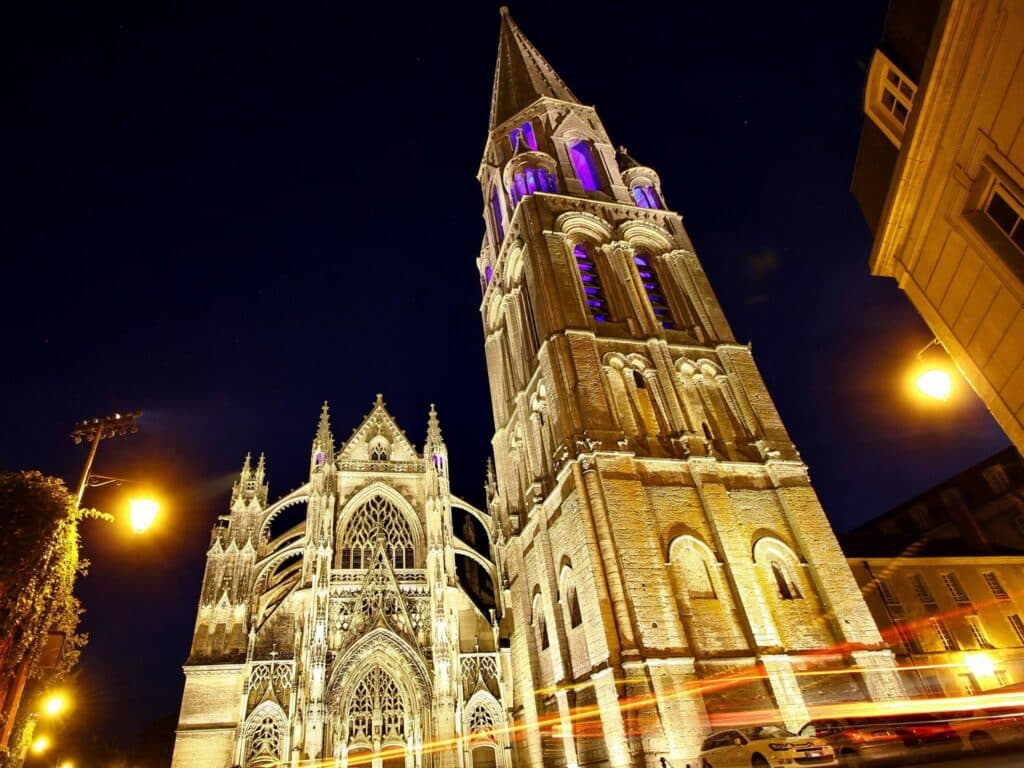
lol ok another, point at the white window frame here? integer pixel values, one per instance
(889, 91)
(995, 586)
(956, 589)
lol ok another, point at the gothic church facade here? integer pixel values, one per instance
(656, 554)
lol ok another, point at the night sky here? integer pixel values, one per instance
(226, 214)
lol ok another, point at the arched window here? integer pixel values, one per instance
(591, 280)
(691, 557)
(376, 704)
(788, 590)
(529, 136)
(570, 598)
(481, 723)
(584, 163)
(638, 379)
(652, 287)
(264, 741)
(539, 622)
(378, 517)
(499, 217)
(645, 196)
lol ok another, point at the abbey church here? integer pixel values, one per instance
(652, 559)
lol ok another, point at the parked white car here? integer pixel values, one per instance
(764, 745)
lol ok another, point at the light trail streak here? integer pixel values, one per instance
(585, 720)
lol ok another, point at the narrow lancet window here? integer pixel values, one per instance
(652, 287)
(499, 221)
(585, 165)
(591, 280)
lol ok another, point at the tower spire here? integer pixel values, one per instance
(521, 75)
(323, 443)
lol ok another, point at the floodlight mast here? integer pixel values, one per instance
(94, 430)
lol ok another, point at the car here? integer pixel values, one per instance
(990, 729)
(764, 745)
(887, 739)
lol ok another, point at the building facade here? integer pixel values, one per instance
(940, 178)
(651, 543)
(979, 511)
(957, 622)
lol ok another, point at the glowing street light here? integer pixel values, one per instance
(40, 745)
(66, 764)
(980, 664)
(54, 704)
(143, 513)
(935, 383)
(932, 377)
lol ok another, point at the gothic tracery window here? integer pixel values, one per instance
(481, 723)
(264, 742)
(377, 517)
(376, 711)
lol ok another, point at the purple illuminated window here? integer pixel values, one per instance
(592, 291)
(437, 460)
(531, 181)
(514, 137)
(488, 273)
(320, 456)
(652, 197)
(652, 287)
(529, 137)
(521, 184)
(499, 221)
(512, 194)
(585, 165)
(640, 197)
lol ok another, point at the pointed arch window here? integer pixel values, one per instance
(584, 163)
(376, 711)
(264, 742)
(591, 279)
(653, 289)
(377, 518)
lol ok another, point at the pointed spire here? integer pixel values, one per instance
(247, 465)
(433, 428)
(323, 429)
(261, 465)
(521, 75)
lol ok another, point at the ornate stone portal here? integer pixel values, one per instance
(652, 546)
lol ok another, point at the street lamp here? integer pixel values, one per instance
(143, 513)
(931, 376)
(41, 744)
(94, 430)
(55, 703)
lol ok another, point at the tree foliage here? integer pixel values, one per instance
(38, 564)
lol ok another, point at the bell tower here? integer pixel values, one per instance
(665, 558)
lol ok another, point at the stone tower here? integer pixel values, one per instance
(664, 557)
(345, 637)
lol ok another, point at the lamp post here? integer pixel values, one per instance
(94, 430)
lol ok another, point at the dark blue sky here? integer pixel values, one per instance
(224, 214)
